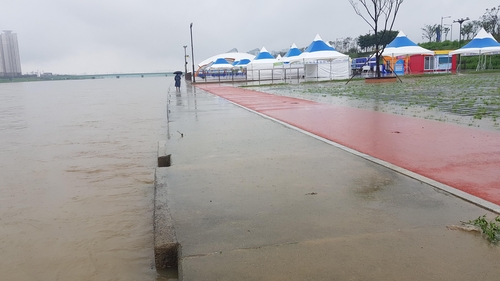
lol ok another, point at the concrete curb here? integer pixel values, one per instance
(164, 159)
(166, 247)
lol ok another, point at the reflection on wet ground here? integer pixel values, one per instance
(252, 199)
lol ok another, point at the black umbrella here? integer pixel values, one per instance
(178, 72)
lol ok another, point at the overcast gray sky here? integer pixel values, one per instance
(118, 36)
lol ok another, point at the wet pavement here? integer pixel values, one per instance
(252, 199)
(467, 159)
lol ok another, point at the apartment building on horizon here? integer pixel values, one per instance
(10, 61)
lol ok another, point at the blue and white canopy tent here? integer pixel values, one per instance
(322, 60)
(239, 67)
(242, 63)
(295, 70)
(230, 57)
(263, 67)
(481, 45)
(402, 46)
(292, 52)
(219, 68)
(220, 63)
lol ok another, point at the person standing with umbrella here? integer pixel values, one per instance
(177, 79)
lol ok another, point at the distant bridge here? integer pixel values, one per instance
(123, 75)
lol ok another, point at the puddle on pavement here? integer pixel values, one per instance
(368, 184)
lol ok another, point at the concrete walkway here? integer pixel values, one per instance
(464, 158)
(252, 199)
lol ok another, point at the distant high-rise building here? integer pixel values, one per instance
(10, 62)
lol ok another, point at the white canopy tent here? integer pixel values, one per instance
(220, 63)
(217, 69)
(292, 53)
(402, 46)
(322, 60)
(295, 70)
(482, 44)
(230, 57)
(263, 67)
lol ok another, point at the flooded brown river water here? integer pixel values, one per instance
(77, 163)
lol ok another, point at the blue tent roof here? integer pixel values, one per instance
(220, 61)
(318, 45)
(318, 50)
(482, 40)
(294, 51)
(401, 41)
(482, 43)
(243, 62)
(264, 54)
(402, 46)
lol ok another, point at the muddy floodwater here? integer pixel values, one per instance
(77, 163)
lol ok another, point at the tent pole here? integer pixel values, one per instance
(317, 71)
(330, 70)
(479, 62)
(448, 69)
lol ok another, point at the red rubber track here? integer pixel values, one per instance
(464, 158)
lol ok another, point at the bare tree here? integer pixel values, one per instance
(429, 31)
(337, 44)
(491, 21)
(446, 30)
(344, 45)
(469, 30)
(379, 15)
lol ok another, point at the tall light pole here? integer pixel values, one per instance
(451, 30)
(460, 21)
(441, 28)
(185, 60)
(192, 50)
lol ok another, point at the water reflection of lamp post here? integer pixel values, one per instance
(460, 21)
(185, 60)
(192, 50)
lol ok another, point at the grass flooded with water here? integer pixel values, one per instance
(471, 99)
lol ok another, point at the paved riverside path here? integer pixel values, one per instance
(464, 158)
(252, 199)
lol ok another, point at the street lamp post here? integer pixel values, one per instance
(460, 21)
(451, 31)
(441, 28)
(192, 50)
(185, 60)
